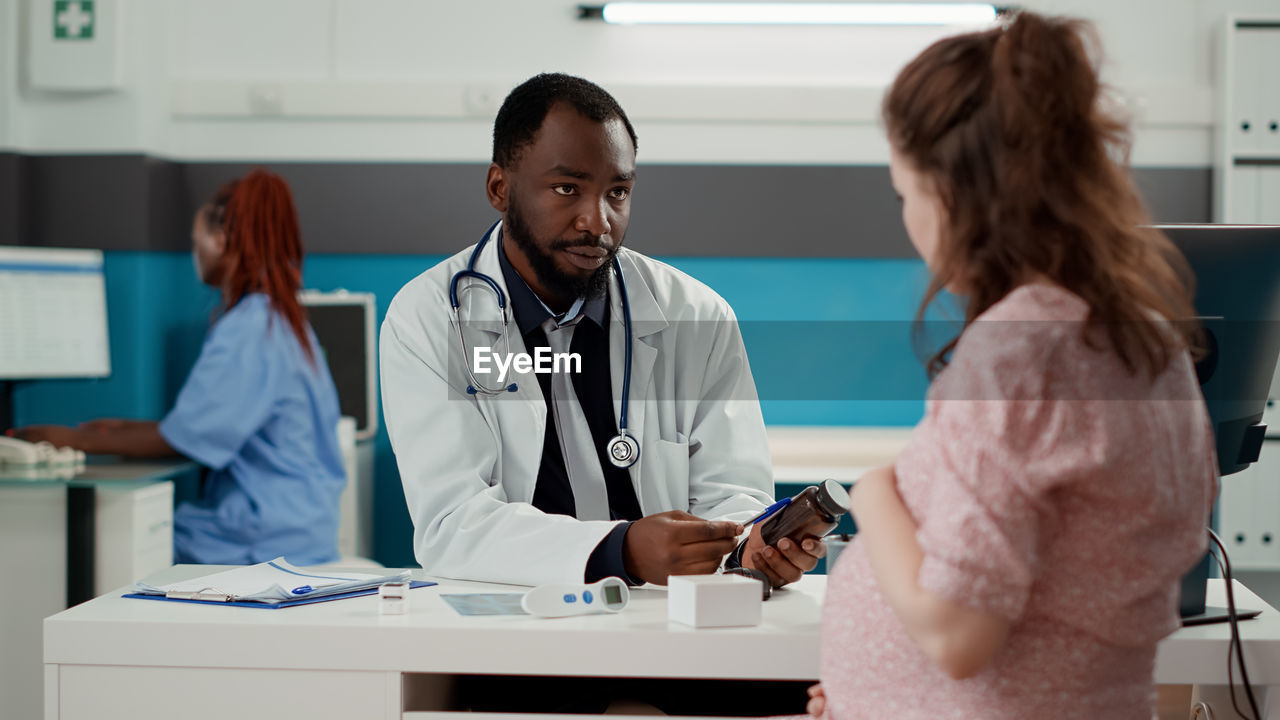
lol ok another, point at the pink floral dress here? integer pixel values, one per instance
(1054, 489)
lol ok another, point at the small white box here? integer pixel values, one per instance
(714, 600)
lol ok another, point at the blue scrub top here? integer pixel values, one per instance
(264, 420)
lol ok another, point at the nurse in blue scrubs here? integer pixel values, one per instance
(259, 408)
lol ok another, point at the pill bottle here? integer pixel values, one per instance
(813, 512)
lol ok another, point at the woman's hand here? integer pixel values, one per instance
(102, 425)
(57, 435)
(131, 438)
(817, 701)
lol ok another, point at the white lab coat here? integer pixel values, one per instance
(469, 463)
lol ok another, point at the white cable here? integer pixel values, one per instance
(1201, 711)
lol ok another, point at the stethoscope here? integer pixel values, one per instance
(623, 450)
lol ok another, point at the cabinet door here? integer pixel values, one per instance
(1237, 519)
(1242, 198)
(92, 692)
(1266, 511)
(134, 534)
(1268, 201)
(1245, 127)
(33, 561)
(1267, 90)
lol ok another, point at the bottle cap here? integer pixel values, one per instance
(833, 498)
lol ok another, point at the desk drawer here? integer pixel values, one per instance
(153, 515)
(134, 534)
(104, 691)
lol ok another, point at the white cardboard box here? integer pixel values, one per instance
(714, 600)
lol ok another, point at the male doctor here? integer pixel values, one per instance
(513, 481)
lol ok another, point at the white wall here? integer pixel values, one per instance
(421, 79)
(8, 72)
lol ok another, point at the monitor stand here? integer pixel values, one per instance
(7, 419)
(1191, 604)
(1213, 614)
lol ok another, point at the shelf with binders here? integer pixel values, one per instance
(1247, 132)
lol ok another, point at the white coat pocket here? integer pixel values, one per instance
(665, 484)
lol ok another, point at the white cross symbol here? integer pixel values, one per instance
(74, 19)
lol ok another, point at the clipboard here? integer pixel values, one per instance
(276, 605)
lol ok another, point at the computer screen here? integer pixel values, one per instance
(344, 325)
(53, 314)
(1237, 299)
(1237, 273)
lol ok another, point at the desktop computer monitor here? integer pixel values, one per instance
(1237, 299)
(53, 318)
(1237, 269)
(347, 333)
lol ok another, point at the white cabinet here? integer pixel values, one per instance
(1247, 136)
(33, 551)
(355, 525)
(1243, 202)
(133, 538)
(1249, 504)
(134, 534)
(1247, 191)
(1249, 512)
(1268, 200)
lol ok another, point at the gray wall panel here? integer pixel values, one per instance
(371, 207)
(12, 206)
(168, 214)
(784, 211)
(1177, 195)
(135, 202)
(88, 201)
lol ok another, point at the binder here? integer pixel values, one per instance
(270, 606)
(271, 584)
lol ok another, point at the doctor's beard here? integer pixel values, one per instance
(565, 285)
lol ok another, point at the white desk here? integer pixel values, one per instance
(119, 658)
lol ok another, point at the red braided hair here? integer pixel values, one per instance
(264, 246)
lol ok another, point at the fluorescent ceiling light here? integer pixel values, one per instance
(635, 13)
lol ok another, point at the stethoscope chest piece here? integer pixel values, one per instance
(624, 450)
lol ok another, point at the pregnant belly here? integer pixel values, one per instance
(868, 661)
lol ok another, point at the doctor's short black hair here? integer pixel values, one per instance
(526, 106)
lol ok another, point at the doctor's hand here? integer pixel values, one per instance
(676, 543)
(784, 563)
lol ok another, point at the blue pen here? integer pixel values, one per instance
(302, 590)
(771, 510)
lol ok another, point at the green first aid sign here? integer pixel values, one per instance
(73, 19)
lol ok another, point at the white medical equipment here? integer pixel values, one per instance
(610, 595)
(26, 454)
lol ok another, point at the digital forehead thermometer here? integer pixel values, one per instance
(561, 599)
